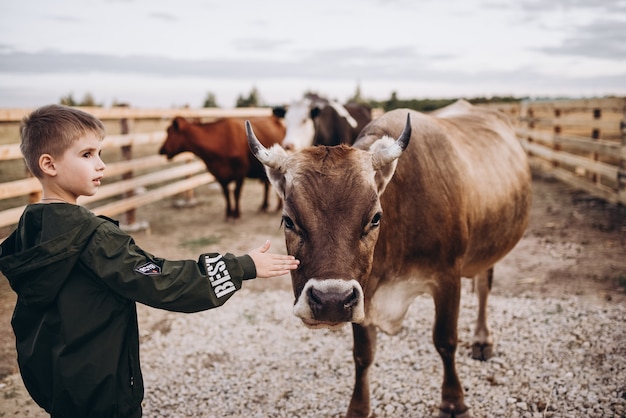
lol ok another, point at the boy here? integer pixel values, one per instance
(78, 276)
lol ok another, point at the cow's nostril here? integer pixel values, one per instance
(315, 297)
(352, 300)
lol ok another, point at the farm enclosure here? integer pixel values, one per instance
(580, 142)
(571, 258)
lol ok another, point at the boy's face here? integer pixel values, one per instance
(80, 169)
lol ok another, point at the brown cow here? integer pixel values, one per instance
(373, 230)
(223, 147)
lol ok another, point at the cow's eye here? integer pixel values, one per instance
(288, 222)
(376, 220)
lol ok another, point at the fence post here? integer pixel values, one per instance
(33, 197)
(595, 135)
(127, 155)
(556, 146)
(130, 223)
(528, 114)
(621, 175)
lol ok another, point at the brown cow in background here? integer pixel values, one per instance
(376, 224)
(223, 147)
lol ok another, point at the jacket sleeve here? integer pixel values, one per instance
(113, 258)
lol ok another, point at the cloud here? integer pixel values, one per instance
(167, 17)
(65, 19)
(338, 63)
(257, 44)
(542, 5)
(605, 39)
(347, 64)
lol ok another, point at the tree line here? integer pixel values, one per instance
(254, 99)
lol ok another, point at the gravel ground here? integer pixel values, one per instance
(252, 358)
(557, 311)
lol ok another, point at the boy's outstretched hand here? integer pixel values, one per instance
(270, 265)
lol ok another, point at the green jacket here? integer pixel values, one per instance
(77, 277)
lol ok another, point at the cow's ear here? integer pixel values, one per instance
(276, 174)
(315, 112)
(179, 123)
(382, 173)
(279, 111)
(277, 179)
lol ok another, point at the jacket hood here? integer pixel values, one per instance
(39, 255)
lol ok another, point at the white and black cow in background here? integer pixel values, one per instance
(378, 223)
(315, 120)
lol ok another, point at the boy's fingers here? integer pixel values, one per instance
(265, 246)
(289, 264)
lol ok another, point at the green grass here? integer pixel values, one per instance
(201, 242)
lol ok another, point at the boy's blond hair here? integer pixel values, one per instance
(51, 130)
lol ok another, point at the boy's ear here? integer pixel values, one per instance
(46, 164)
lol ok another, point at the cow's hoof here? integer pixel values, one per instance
(482, 351)
(360, 414)
(465, 414)
(444, 414)
(371, 415)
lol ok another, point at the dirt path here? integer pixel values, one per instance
(575, 244)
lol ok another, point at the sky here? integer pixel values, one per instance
(158, 53)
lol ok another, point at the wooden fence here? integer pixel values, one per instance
(581, 142)
(136, 176)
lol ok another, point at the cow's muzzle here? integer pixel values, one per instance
(330, 303)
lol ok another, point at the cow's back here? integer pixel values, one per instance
(460, 193)
(362, 114)
(333, 128)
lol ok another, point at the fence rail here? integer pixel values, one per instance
(581, 142)
(139, 175)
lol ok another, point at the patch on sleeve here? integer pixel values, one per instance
(149, 269)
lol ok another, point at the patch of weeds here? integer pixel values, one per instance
(557, 310)
(249, 317)
(620, 281)
(201, 242)
(164, 326)
(11, 393)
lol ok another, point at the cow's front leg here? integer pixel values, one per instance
(238, 186)
(226, 192)
(266, 192)
(447, 297)
(364, 351)
(482, 348)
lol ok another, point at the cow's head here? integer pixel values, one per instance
(331, 216)
(175, 142)
(298, 118)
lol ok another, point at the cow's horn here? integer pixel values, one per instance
(264, 155)
(393, 152)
